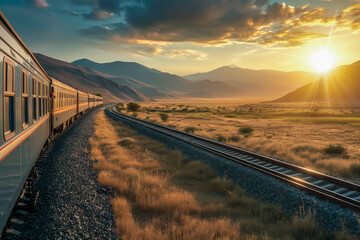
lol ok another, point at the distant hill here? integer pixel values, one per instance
(149, 76)
(168, 84)
(87, 80)
(341, 85)
(257, 83)
(143, 88)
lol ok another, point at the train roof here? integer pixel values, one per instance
(82, 92)
(11, 30)
(61, 84)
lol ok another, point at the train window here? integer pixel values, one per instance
(34, 99)
(9, 99)
(39, 99)
(46, 99)
(24, 99)
(43, 99)
(57, 99)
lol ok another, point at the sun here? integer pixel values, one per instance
(323, 60)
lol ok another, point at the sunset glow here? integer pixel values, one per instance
(323, 60)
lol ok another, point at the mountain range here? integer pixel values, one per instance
(87, 80)
(130, 81)
(340, 85)
(257, 83)
(146, 80)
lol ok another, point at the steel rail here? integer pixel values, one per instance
(340, 191)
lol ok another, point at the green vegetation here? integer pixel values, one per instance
(234, 138)
(190, 129)
(98, 94)
(335, 149)
(134, 107)
(246, 130)
(164, 116)
(221, 138)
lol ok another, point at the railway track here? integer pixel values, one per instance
(324, 186)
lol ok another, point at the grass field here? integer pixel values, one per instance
(299, 133)
(159, 194)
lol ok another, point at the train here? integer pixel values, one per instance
(34, 108)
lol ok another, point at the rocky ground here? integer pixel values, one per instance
(71, 205)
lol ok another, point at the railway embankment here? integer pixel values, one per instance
(261, 186)
(71, 205)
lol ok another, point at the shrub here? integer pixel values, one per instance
(135, 114)
(172, 126)
(335, 149)
(221, 138)
(164, 116)
(190, 129)
(246, 130)
(147, 118)
(234, 138)
(134, 107)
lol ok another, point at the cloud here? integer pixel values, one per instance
(185, 54)
(139, 50)
(101, 9)
(98, 15)
(69, 12)
(211, 22)
(38, 3)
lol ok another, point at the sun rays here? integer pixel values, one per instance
(323, 60)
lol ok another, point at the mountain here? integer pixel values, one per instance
(87, 80)
(149, 76)
(143, 88)
(340, 85)
(257, 83)
(152, 79)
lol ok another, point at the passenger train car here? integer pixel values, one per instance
(33, 106)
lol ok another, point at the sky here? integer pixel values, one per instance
(189, 36)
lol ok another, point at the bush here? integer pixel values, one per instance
(234, 138)
(164, 116)
(246, 130)
(190, 129)
(147, 118)
(135, 114)
(134, 107)
(221, 138)
(335, 149)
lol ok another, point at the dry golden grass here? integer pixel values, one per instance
(162, 195)
(296, 134)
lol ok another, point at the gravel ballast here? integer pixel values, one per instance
(270, 190)
(71, 205)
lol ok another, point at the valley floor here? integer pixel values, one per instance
(160, 194)
(317, 137)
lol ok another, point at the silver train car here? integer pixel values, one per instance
(33, 107)
(65, 107)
